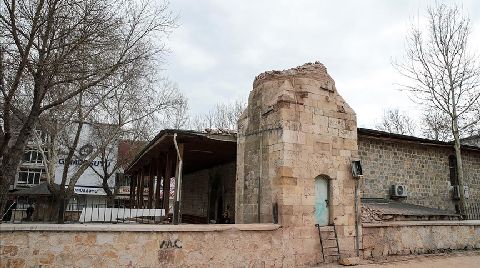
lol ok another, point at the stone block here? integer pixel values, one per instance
(349, 261)
(336, 123)
(284, 180)
(306, 117)
(10, 250)
(301, 138)
(286, 209)
(297, 210)
(284, 171)
(47, 259)
(322, 146)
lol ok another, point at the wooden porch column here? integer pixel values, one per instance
(137, 185)
(151, 180)
(160, 171)
(166, 181)
(139, 175)
(140, 189)
(133, 180)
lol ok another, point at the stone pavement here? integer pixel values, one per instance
(433, 261)
(460, 259)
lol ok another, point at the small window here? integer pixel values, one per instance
(122, 179)
(32, 156)
(30, 176)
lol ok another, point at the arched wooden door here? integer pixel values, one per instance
(321, 200)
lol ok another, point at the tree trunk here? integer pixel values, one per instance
(458, 156)
(61, 211)
(458, 153)
(11, 160)
(3, 198)
(109, 192)
(62, 205)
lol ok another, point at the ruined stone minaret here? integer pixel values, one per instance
(296, 129)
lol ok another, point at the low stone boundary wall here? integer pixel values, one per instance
(418, 237)
(115, 245)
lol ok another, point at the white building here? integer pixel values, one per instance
(88, 189)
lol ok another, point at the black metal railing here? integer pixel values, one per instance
(79, 211)
(472, 211)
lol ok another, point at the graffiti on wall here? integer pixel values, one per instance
(167, 244)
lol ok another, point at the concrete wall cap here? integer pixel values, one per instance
(422, 223)
(8, 227)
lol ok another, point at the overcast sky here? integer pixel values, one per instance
(220, 46)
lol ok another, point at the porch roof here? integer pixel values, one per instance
(201, 149)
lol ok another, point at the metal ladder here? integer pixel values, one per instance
(324, 241)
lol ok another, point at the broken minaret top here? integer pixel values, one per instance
(314, 70)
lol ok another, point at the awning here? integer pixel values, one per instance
(82, 190)
(43, 190)
(39, 190)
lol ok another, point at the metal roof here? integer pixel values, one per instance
(41, 189)
(392, 136)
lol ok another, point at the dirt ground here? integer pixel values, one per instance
(464, 259)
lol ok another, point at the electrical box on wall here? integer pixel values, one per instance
(398, 191)
(357, 171)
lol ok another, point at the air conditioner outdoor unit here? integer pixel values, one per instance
(398, 190)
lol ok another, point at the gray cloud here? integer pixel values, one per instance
(221, 45)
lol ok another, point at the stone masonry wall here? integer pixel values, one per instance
(471, 168)
(297, 127)
(431, 237)
(197, 186)
(424, 169)
(227, 247)
(195, 193)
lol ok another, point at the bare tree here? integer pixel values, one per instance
(177, 117)
(126, 107)
(435, 125)
(443, 74)
(222, 116)
(51, 51)
(394, 121)
(133, 112)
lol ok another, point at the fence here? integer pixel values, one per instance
(472, 212)
(48, 211)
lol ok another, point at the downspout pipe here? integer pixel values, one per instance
(176, 216)
(357, 216)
